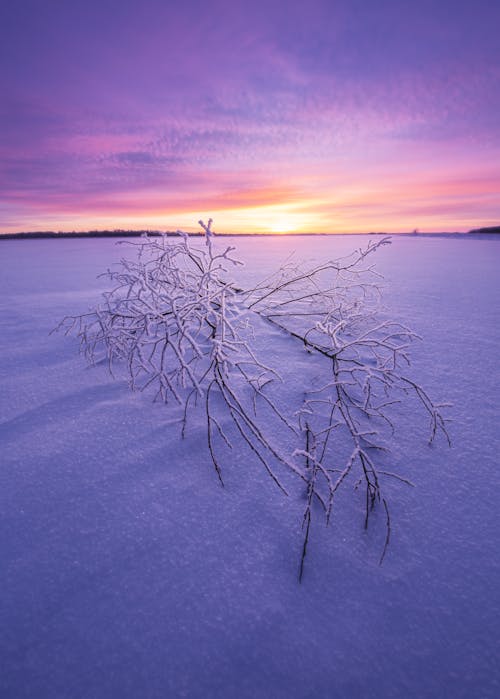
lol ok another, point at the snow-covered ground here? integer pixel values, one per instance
(127, 571)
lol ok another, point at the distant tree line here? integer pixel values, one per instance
(491, 229)
(116, 233)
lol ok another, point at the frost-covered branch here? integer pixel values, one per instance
(334, 310)
(177, 326)
(184, 331)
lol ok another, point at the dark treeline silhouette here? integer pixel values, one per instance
(491, 229)
(117, 233)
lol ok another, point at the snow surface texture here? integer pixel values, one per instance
(128, 571)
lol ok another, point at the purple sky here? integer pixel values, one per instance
(342, 115)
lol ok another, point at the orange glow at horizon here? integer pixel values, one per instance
(310, 203)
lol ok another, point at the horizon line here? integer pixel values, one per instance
(117, 233)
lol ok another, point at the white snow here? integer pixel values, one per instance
(127, 571)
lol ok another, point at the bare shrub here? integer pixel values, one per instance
(184, 330)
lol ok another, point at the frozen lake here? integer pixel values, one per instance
(127, 571)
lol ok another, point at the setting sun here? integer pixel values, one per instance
(282, 226)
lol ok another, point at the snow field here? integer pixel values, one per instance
(128, 571)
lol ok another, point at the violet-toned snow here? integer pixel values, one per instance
(127, 571)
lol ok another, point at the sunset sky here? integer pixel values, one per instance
(314, 116)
